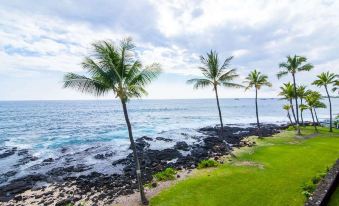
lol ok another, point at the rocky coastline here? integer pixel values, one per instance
(57, 188)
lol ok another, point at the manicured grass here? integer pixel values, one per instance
(334, 201)
(271, 173)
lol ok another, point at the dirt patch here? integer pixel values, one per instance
(249, 164)
(134, 199)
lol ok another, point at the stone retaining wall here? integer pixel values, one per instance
(325, 188)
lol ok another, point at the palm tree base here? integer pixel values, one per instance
(145, 202)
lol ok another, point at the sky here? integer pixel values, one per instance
(41, 40)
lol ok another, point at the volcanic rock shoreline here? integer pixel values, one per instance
(101, 189)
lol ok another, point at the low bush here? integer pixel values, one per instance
(151, 185)
(167, 174)
(207, 163)
(310, 186)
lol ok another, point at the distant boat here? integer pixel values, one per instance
(236, 99)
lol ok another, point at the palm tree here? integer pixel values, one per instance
(318, 104)
(302, 108)
(216, 75)
(257, 80)
(335, 85)
(287, 107)
(293, 65)
(287, 92)
(302, 93)
(306, 106)
(115, 69)
(325, 79)
(312, 99)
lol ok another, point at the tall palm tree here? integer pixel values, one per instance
(293, 65)
(302, 108)
(318, 104)
(287, 107)
(312, 99)
(115, 69)
(216, 74)
(336, 85)
(302, 93)
(325, 79)
(256, 79)
(307, 106)
(287, 92)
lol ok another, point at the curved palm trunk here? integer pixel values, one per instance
(316, 116)
(289, 117)
(301, 112)
(135, 155)
(315, 126)
(292, 109)
(296, 105)
(256, 111)
(329, 100)
(221, 123)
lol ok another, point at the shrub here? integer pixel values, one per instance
(310, 186)
(167, 174)
(207, 163)
(316, 179)
(151, 185)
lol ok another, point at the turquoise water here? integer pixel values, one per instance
(45, 127)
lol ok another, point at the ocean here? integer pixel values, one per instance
(79, 130)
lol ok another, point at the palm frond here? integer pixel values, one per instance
(146, 75)
(233, 85)
(113, 68)
(225, 65)
(97, 70)
(324, 79)
(200, 83)
(257, 79)
(306, 67)
(228, 75)
(85, 84)
(303, 107)
(281, 74)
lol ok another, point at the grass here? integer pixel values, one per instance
(167, 174)
(334, 201)
(207, 163)
(272, 173)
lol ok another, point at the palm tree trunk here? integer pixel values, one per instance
(289, 117)
(221, 123)
(315, 126)
(296, 105)
(329, 100)
(256, 111)
(135, 155)
(292, 109)
(301, 113)
(316, 116)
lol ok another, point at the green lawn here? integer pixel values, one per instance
(334, 201)
(269, 174)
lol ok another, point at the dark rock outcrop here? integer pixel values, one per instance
(181, 155)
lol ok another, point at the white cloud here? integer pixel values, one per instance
(177, 17)
(46, 43)
(173, 59)
(258, 33)
(240, 52)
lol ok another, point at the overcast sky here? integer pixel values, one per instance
(40, 40)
